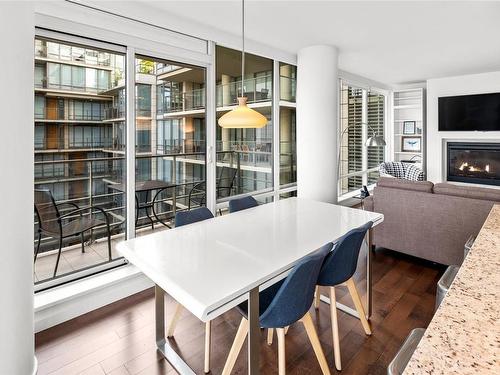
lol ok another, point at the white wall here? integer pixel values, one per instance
(460, 85)
(16, 189)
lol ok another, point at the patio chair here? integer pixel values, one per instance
(56, 225)
(225, 182)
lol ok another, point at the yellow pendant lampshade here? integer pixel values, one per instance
(242, 117)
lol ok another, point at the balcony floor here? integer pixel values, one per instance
(72, 258)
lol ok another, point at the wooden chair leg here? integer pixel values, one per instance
(317, 296)
(286, 329)
(270, 336)
(335, 329)
(208, 339)
(236, 347)
(359, 306)
(175, 319)
(313, 337)
(281, 351)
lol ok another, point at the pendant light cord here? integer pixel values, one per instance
(243, 47)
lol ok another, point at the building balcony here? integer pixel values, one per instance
(114, 113)
(255, 89)
(190, 101)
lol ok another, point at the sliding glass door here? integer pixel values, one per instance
(170, 133)
(79, 154)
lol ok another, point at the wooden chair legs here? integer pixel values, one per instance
(311, 333)
(313, 338)
(241, 335)
(359, 306)
(281, 351)
(208, 334)
(335, 329)
(270, 334)
(317, 296)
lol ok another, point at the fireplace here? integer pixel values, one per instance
(473, 162)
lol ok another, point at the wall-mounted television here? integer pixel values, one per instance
(469, 112)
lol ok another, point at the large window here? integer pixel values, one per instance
(244, 156)
(75, 164)
(362, 114)
(288, 141)
(82, 105)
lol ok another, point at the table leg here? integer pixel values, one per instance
(253, 332)
(162, 344)
(369, 301)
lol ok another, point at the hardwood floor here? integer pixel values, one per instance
(118, 339)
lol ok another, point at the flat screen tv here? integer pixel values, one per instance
(470, 112)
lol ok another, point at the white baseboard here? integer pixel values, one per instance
(66, 302)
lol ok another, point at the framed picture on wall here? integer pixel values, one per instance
(409, 127)
(411, 144)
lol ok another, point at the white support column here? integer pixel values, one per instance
(130, 143)
(16, 221)
(317, 123)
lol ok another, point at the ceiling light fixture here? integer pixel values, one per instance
(242, 116)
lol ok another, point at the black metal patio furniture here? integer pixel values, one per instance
(143, 190)
(225, 182)
(53, 223)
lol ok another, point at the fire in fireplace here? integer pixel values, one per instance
(477, 163)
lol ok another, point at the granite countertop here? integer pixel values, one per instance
(464, 335)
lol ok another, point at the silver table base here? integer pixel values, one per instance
(164, 347)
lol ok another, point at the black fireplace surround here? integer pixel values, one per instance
(473, 162)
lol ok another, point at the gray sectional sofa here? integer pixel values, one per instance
(429, 221)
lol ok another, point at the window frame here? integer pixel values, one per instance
(365, 87)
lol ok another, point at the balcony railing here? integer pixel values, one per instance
(180, 146)
(56, 114)
(58, 143)
(256, 90)
(180, 102)
(72, 87)
(113, 113)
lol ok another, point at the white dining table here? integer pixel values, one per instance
(211, 266)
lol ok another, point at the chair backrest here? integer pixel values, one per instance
(294, 297)
(242, 204)
(46, 210)
(225, 181)
(341, 263)
(193, 216)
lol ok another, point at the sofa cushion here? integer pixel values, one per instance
(468, 192)
(393, 183)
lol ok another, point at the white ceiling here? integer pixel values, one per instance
(387, 41)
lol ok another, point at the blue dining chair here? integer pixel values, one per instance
(285, 303)
(185, 218)
(338, 269)
(242, 204)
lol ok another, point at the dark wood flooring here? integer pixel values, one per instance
(118, 339)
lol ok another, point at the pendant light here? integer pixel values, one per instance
(242, 116)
